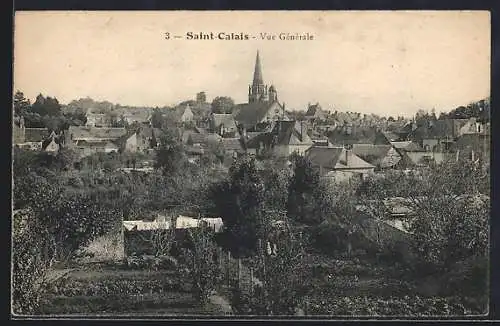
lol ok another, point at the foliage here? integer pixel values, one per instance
(240, 202)
(303, 185)
(46, 106)
(222, 104)
(200, 259)
(283, 280)
(396, 306)
(29, 265)
(450, 206)
(170, 156)
(21, 104)
(161, 240)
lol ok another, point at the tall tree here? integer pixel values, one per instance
(21, 104)
(222, 104)
(46, 106)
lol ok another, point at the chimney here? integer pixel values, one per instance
(283, 117)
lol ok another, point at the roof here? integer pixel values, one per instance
(286, 129)
(194, 150)
(438, 129)
(336, 158)
(314, 110)
(407, 146)
(283, 133)
(149, 132)
(204, 139)
(96, 143)
(477, 142)
(232, 144)
(250, 114)
(223, 119)
(381, 139)
(36, 134)
(391, 136)
(373, 154)
(48, 141)
(94, 133)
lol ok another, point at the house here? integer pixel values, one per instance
(142, 139)
(324, 142)
(194, 153)
(439, 135)
(472, 146)
(90, 147)
(233, 146)
(96, 119)
(90, 140)
(381, 156)
(28, 138)
(285, 138)
(184, 114)
(315, 113)
(338, 163)
(203, 140)
(223, 124)
(140, 116)
(51, 145)
(256, 116)
(407, 146)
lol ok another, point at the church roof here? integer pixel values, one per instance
(250, 114)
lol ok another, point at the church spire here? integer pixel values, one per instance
(257, 75)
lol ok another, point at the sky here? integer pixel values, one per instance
(386, 63)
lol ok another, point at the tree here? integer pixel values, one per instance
(21, 104)
(240, 201)
(29, 264)
(200, 260)
(282, 275)
(304, 182)
(157, 119)
(449, 205)
(170, 155)
(222, 104)
(46, 106)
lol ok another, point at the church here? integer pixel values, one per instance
(263, 107)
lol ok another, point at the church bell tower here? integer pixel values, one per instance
(257, 92)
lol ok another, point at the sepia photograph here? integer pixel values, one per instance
(251, 164)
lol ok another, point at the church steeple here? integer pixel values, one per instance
(257, 74)
(257, 91)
